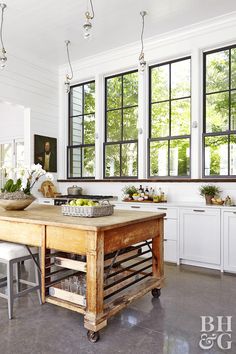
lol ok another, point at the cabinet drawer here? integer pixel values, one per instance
(171, 213)
(46, 201)
(170, 251)
(170, 229)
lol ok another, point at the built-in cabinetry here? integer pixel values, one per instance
(229, 232)
(171, 253)
(200, 237)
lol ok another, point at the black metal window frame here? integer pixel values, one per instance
(226, 133)
(80, 146)
(168, 138)
(120, 142)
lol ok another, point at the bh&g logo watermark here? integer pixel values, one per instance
(216, 331)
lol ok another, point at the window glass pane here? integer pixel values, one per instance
(89, 129)
(114, 92)
(233, 155)
(130, 89)
(159, 158)
(89, 98)
(180, 79)
(180, 117)
(217, 71)
(130, 123)
(76, 100)
(180, 157)
(160, 119)
(217, 112)
(76, 130)
(160, 83)
(129, 155)
(74, 156)
(112, 160)
(7, 155)
(216, 156)
(114, 125)
(233, 110)
(88, 161)
(20, 154)
(233, 68)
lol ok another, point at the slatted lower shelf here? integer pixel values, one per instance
(66, 304)
(62, 294)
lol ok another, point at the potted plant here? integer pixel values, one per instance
(209, 191)
(16, 193)
(128, 191)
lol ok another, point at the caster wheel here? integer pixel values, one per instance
(156, 293)
(93, 337)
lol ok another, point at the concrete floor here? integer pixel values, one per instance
(169, 325)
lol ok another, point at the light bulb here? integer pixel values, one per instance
(3, 59)
(87, 26)
(67, 84)
(142, 63)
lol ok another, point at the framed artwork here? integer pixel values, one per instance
(45, 152)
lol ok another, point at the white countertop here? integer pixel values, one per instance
(177, 204)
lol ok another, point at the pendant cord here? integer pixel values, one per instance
(142, 33)
(1, 29)
(68, 56)
(92, 9)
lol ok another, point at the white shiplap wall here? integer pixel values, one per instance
(36, 89)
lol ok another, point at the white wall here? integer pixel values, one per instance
(36, 89)
(11, 122)
(192, 40)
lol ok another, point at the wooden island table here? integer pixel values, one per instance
(120, 256)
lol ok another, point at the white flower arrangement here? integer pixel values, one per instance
(27, 177)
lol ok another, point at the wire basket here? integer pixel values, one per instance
(103, 209)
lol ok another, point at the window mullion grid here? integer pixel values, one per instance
(169, 120)
(122, 121)
(229, 157)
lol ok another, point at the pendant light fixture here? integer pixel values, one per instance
(87, 27)
(68, 77)
(142, 62)
(3, 58)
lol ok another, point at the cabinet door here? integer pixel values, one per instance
(229, 229)
(170, 252)
(200, 235)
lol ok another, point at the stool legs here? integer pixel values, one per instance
(10, 298)
(18, 277)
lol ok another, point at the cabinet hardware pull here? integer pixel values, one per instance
(165, 218)
(135, 207)
(165, 239)
(162, 208)
(234, 212)
(199, 210)
(46, 202)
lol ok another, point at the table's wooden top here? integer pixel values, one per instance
(51, 215)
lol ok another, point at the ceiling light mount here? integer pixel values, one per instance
(142, 62)
(87, 27)
(3, 58)
(68, 77)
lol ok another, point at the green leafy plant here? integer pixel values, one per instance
(209, 189)
(130, 190)
(11, 187)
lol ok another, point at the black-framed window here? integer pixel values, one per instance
(121, 125)
(81, 148)
(219, 115)
(170, 119)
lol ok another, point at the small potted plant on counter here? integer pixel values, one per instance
(128, 192)
(209, 192)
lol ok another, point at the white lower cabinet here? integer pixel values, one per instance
(200, 237)
(170, 227)
(229, 240)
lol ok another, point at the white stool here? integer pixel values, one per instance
(10, 254)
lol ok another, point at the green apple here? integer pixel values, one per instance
(79, 202)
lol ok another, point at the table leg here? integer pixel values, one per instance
(43, 258)
(158, 252)
(93, 319)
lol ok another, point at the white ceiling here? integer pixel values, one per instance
(36, 29)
